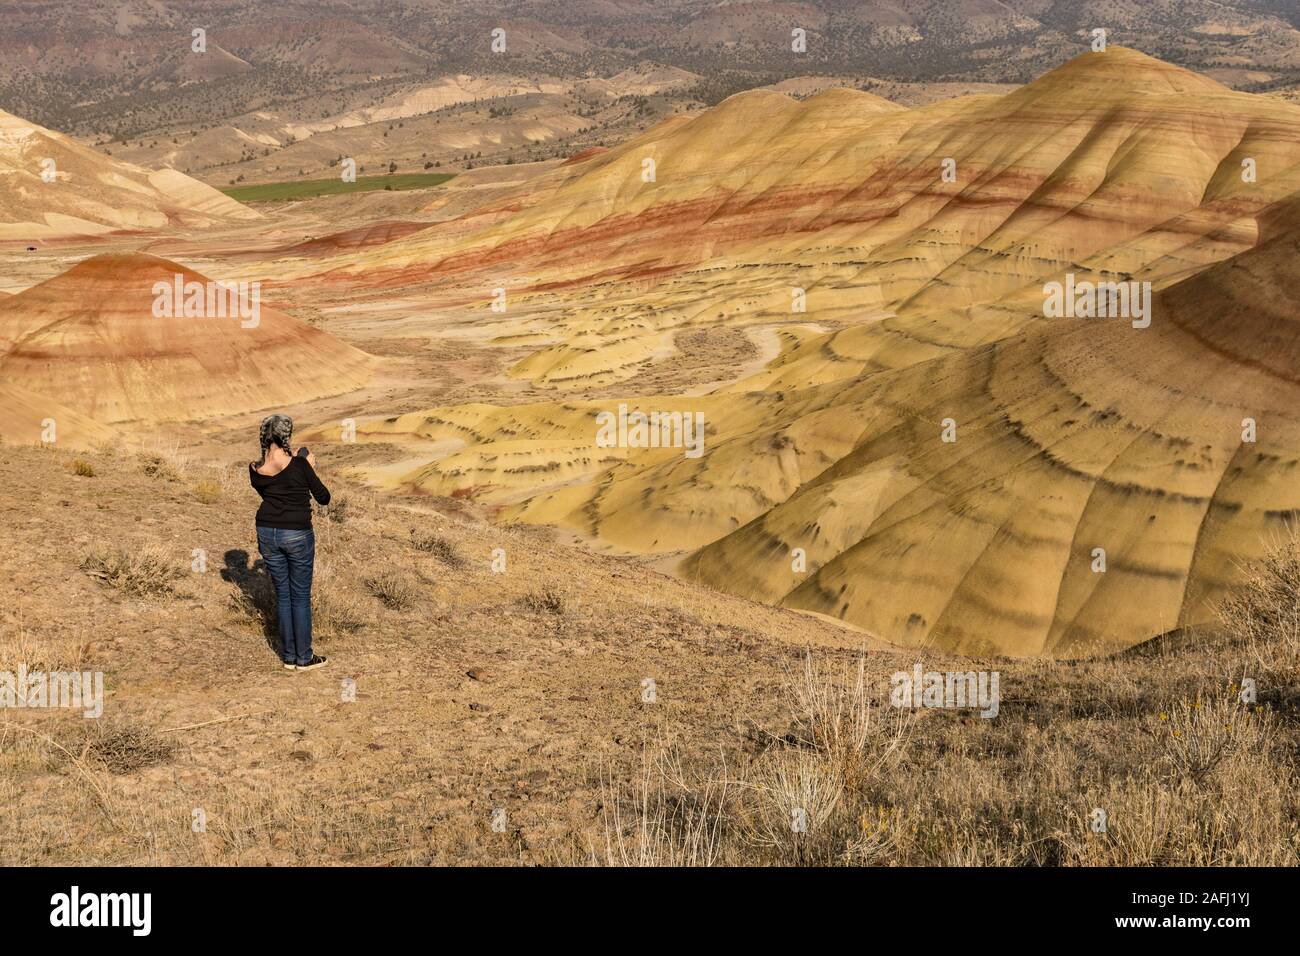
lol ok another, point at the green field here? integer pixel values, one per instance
(306, 188)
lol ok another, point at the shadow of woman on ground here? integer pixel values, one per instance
(255, 595)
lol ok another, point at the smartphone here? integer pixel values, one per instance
(303, 452)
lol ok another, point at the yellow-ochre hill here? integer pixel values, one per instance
(924, 302)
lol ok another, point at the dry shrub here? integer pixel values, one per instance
(810, 800)
(1264, 613)
(83, 468)
(334, 610)
(836, 716)
(394, 589)
(124, 748)
(665, 818)
(144, 570)
(1199, 735)
(208, 492)
(342, 509)
(792, 810)
(159, 466)
(438, 546)
(546, 601)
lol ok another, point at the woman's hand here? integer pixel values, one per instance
(311, 459)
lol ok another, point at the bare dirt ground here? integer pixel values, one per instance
(559, 645)
(504, 717)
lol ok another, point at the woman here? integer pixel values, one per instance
(287, 483)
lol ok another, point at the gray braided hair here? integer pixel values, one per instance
(276, 429)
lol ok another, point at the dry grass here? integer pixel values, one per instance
(208, 492)
(160, 467)
(145, 570)
(663, 818)
(813, 770)
(394, 589)
(62, 652)
(805, 799)
(438, 546)
(255, 824)
(121, 748)
(82, 468)
(164, 461)
(546, 600)
(1200, 780)
(1199, 735)
(1264, 614)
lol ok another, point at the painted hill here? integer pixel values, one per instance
(92, 193)
(28, 418)
(1114, 161)
(924, 302)
(91, 337)
(1086, 435)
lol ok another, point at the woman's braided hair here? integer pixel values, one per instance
(276, 429)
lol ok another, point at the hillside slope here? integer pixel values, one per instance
(92, 193)
(924, 302)
(91, 337)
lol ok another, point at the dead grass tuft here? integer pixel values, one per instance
(122, 748)
(438, 546)
(1199, 735)
(158, 466)
(144, 570)
(394, 589)
(208, 492)
(59, 651)
(547, 600)
(1264, 613)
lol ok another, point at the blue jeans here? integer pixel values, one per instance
(289, 556)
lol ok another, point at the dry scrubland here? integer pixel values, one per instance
(522, 691)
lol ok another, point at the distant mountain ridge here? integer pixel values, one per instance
(55, 186)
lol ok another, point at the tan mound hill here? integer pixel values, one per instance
(584, 155)
(1072, 438)
(28, 418)
(1114, 161)
(93, 193)
(91, 337)
(1073, 435)
(370, 234)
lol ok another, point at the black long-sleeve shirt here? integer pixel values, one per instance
(286, 497)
